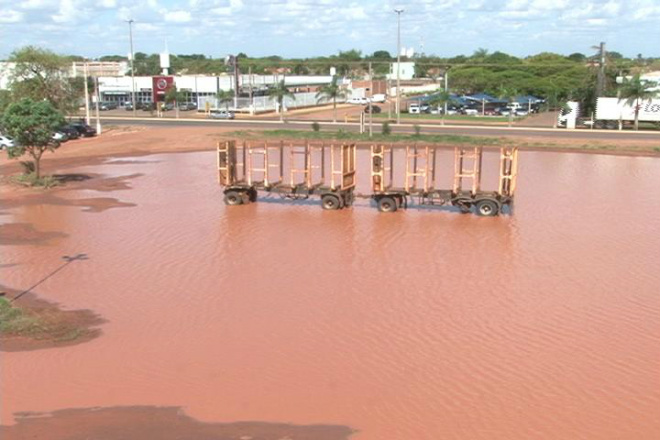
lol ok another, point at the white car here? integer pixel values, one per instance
(471, 111)
(378, 97)
(360, 101)
(60, 137)
(6, 142)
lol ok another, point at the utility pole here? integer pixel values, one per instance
(86, 94)
(446, 88)
(251, 92)
(600, 85)
(398, 64)
(98, 105)
(371, 107)
(130, 37)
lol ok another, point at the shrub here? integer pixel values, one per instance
(316, 126)
(386, 130)
(418, 129)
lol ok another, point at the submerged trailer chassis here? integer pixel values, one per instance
(244, 169)
(299, 171)
(420, 179)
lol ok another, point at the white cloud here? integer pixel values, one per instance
(177, 16)
(11, 16)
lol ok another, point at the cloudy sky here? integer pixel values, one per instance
(322, 27)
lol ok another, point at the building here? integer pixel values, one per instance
(407, 71)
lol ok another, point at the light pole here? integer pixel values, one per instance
(130, 37)
(398, 64)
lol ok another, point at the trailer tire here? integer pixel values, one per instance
(387, 204)
(487, 208)
(233, 198)
(330, 202)
(252, 193)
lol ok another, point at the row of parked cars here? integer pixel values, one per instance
(415, 108)
(146, 106)
(72, 130)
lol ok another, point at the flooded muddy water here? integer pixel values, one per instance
(423, 324)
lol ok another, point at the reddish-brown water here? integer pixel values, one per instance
(415, 325)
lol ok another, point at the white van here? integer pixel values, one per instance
(414, 108)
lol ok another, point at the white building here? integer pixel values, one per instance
(407, 71)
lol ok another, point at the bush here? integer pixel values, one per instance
(418, 129)
(316, 126)
(386, 130)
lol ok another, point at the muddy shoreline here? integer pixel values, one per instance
(61, 328)
(139, 141)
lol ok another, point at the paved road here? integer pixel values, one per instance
(610, 135)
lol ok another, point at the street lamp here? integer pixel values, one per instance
(130, 37)
(398, 12)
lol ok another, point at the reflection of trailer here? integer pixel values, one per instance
(290, 170)
(420, 179)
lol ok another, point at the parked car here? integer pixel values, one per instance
(6, 142)
(379, 97)
(470, 111)
(413, 108)
(505, 112)
(185, 106)
(425, 108)
(221, 114)
(70, 132)
(60, 136)
(374, 109)
(361, 101)
(167, 107)
(522, 112)
(84, 129)
(148, 106)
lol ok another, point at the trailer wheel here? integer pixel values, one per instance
(330, 202)
(487, 208)
(233, 198)
(252, 193)
(387, 204)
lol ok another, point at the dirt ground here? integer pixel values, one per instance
(150, 422)
(141, 140)
(63, 327)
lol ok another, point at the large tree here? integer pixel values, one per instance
(40, 74)
(278, 93)
(636, 91)
(332, 92)
(32, 125)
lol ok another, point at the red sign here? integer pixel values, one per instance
(161, 84)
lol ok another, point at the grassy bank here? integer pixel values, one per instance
(40, 325)
(445, 139)
(377, 137)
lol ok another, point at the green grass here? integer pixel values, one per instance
(445, 139)
(14, 321)
(377, 137)
(32, 180)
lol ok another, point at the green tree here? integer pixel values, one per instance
(32, 125)
(40, 74)
(509, 94)
(332, 92)
(440, 98)
(278, 93)
(635, 91)
(225, 97)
